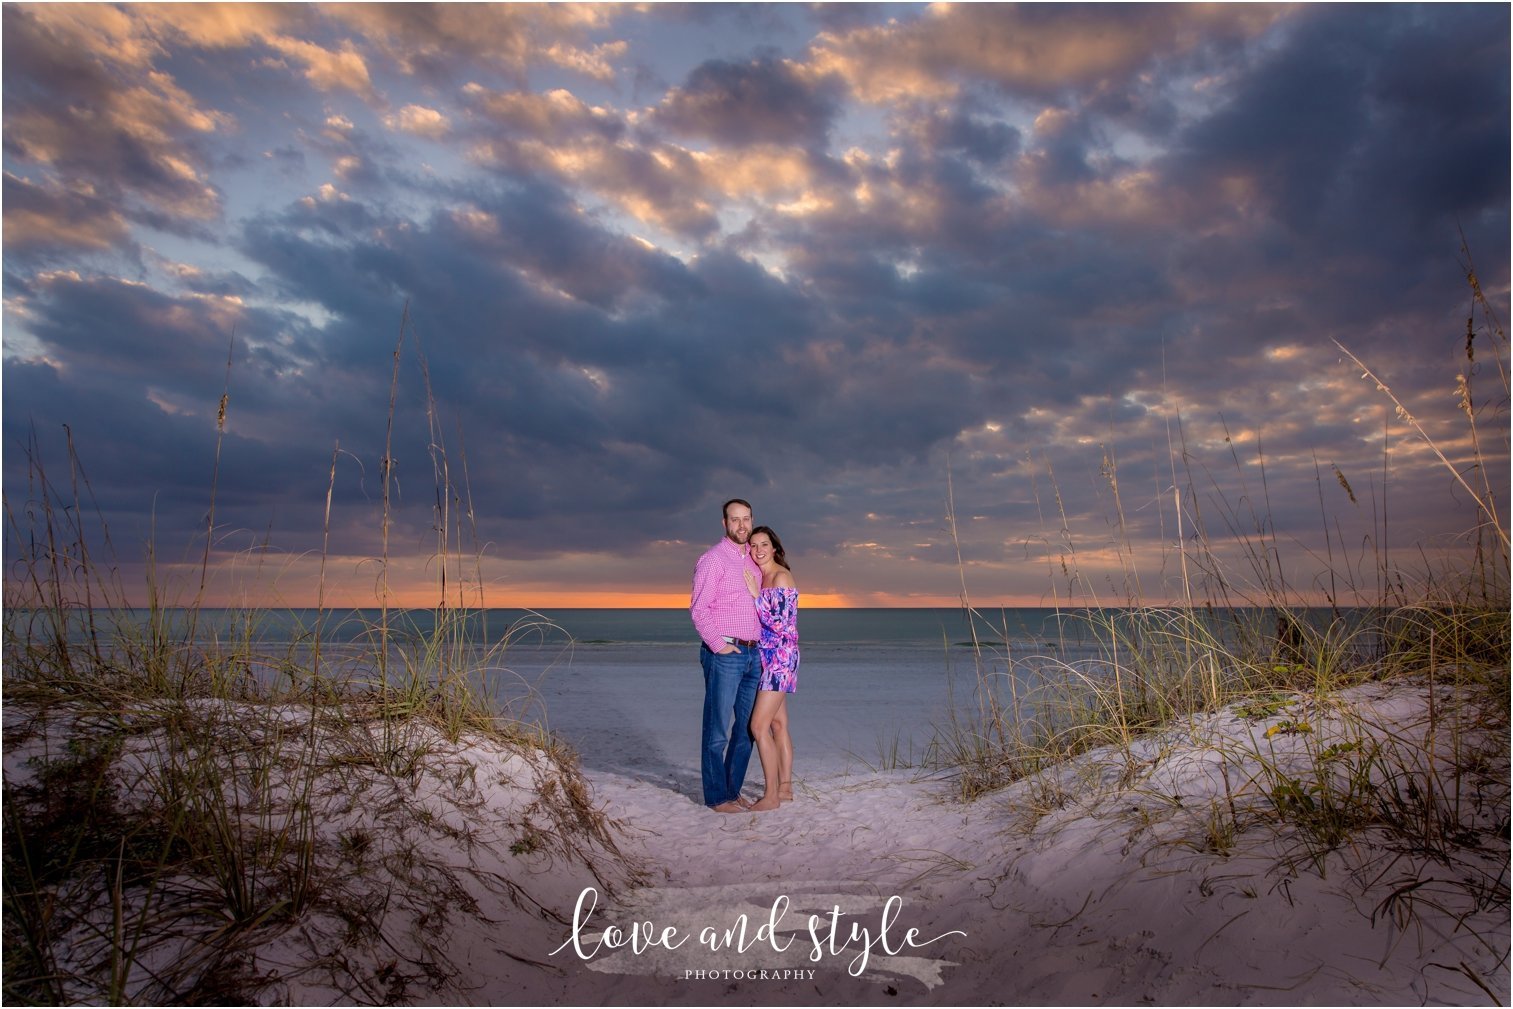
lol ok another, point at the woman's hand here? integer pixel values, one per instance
(752, 585)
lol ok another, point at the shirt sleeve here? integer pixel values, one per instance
(701, 602)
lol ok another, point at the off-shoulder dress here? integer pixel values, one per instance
(778, 610)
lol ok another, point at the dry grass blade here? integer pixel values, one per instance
(1483, 502)
(187, 787)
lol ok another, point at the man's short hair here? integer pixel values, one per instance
(725, 508)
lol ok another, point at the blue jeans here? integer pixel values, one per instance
(730, 689)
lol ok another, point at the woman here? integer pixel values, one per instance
(777, 603)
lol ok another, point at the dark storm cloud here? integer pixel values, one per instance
(104, 333)
(1293, 126)
(221, 283)
(984, 140)
(1439, 86)
(1061, 157)
(1066, 244)
(764, 101)
(139, 461)
(113, 328)
(569, 408)
(557, 395)
(1359, 183)
(133, 378)
(540, 231)
(1351, 114)
(144, 460)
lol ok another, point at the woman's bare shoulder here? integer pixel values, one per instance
(783, 580)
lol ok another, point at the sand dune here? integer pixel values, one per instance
(1160, 875)
(1095, 885)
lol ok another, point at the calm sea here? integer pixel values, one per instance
(625, 688)
(924, 626)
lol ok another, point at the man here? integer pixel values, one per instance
(726, 620)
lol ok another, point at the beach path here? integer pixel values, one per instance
(1094, 884)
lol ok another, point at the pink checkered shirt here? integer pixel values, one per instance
(721, 604)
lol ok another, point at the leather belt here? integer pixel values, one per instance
(743, 641)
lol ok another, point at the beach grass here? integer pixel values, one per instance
(1239, 642)
(181, 786)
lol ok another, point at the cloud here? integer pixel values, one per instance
(595, 63)
(101, 31)
(418, 120)
(558, 137)
(1048, 261)
(128, 135)
(218, 25)
(136, 374)
(582, 386)
(1034, 51)
(342, 68)
(761, 102)
(555, 114)
(49, 218)
(547, 240)
(981, 138)
(434, 41)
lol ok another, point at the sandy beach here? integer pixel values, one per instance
(425, 421)
(1161, 875)
(1089, 887)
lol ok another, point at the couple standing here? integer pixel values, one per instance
(745, 608)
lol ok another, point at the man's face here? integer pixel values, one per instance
(738, 523)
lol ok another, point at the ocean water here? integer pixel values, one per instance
(625, 689)
(928, 626)
(636, 708)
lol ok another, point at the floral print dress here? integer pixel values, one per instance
(778, 610)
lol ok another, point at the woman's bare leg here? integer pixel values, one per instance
(785, 749)
(768, 704)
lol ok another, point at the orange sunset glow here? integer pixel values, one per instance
(1021, 304)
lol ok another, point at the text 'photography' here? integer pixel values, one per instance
(756, 504)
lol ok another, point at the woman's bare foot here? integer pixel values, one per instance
(765, 803)
(785, 796)
(742, 801)
(728, 807)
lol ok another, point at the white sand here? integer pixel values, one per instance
(1091, 885)
(1109, 899)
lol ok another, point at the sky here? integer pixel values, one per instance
(1043, 304)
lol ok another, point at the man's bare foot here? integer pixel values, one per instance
(728, 807)
(742, 801)
(765, 803)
